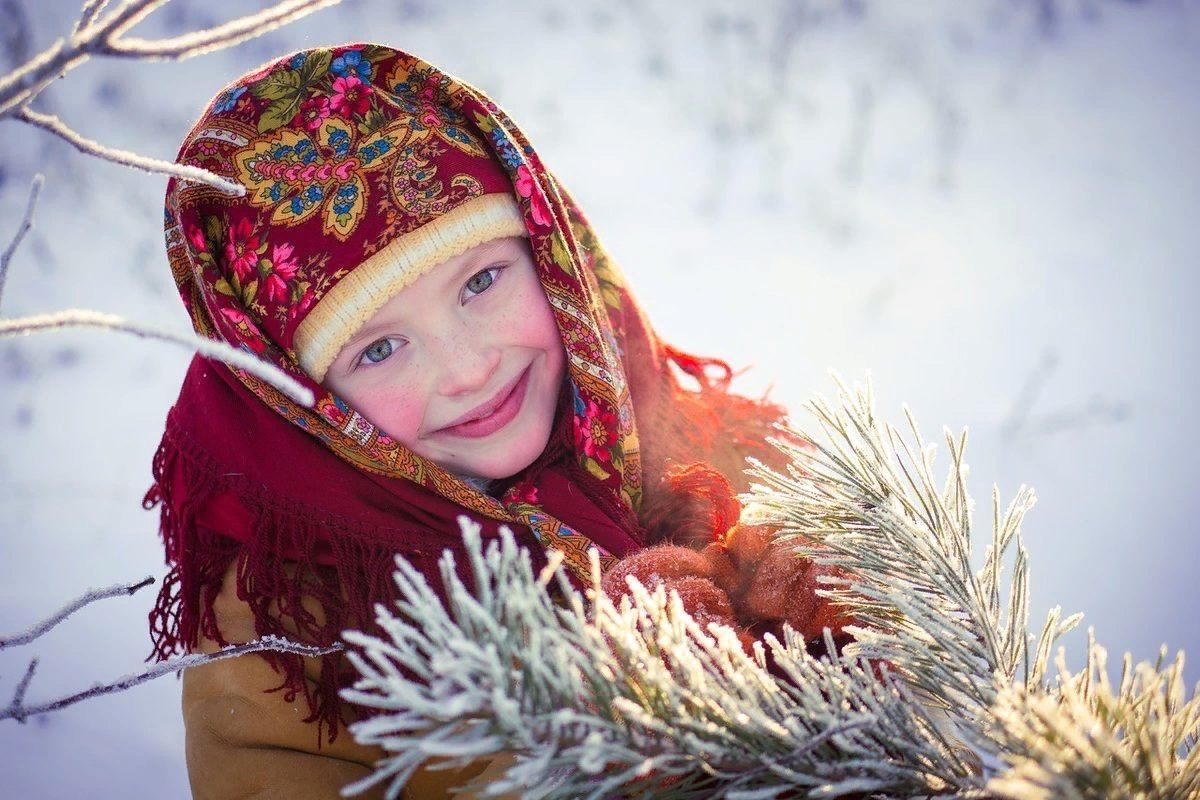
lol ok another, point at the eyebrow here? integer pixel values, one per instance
(485, 253)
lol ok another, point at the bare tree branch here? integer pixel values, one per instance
(1022, 423)
(84, 318)
(20, 712)
(91, 596)
(35, 191)
(1015, 423)
(53, 124)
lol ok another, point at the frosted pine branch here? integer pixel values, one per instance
(19, 711)
(864, 501)
(635, 700)
(88, 597)
(944, 693)
(1136, 740)
(84, 318)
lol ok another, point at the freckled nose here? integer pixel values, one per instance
(466, 369)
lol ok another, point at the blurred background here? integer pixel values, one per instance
(989, 207)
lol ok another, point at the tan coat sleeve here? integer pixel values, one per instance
(242, 742)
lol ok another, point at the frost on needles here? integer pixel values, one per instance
(944, 693)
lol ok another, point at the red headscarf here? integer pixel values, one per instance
(343, 149)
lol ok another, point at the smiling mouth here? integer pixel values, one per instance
(488, 409)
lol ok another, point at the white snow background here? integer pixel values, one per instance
(991, 206)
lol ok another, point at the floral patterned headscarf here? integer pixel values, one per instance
(342, 151)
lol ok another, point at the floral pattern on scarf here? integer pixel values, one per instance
(342, 149)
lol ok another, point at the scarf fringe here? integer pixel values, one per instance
(277, 566)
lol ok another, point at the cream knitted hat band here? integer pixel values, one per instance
(353, 300)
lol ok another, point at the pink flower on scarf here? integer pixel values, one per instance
(595, 433)
(350, 96)
(196, 237)
(528, 187)
(283, 269)
(312, 113)
(298, 307)
(251, 334)
(524, 493)
(238, 317)
(241, 249)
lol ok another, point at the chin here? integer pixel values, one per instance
(514, 458)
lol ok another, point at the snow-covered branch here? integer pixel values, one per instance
(91, 8)
(869, 505)
(54, 125)
(20, 712)
(90, 596)
(96, 34)
(216, 38)
(84, 318)
(35, 191)
(1092, 739)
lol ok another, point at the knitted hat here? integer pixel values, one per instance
(350, 303)
(362, 172)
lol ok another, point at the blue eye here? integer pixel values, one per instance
(481, 281)
(379, 350)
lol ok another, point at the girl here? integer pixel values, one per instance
(402, 251)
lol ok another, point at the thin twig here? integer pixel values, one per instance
(35, 191)
(91, 596)
(101, 37)
(226, 35)
(19, 694)
(127, 15)
(51, 123)
(27, 81)
(92, 35)
(84, 318)
(87, 15)
(20, 712)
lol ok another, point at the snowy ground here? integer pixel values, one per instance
(991, 209)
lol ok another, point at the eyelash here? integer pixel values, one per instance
(360, 362)
(498, 269)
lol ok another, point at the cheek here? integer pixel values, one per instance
(397, 413)
(530, 320)
(542, 327)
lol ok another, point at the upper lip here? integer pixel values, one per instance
(484, 409)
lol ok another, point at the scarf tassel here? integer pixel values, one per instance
(198, 558)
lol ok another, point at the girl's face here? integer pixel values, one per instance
(451, 346)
